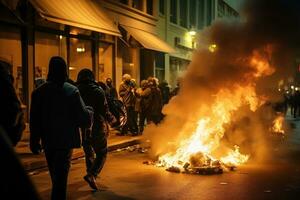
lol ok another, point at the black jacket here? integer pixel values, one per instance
(11, 115)
(56, 114)
(94, 96)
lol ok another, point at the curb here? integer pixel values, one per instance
(39, 164)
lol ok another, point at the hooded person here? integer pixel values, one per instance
(140, 105)
(94, 140)
(112, 90)
(127, 93)
(57, 112)
(11, 115)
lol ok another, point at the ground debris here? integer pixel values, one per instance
(149, 162)
(137, 148)
(223, 183)
(173, 169)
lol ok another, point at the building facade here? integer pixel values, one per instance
(110, 37)
(179, 22)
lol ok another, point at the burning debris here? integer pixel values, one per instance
(222, 85)
(277, 126)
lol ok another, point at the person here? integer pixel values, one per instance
(127, 93)
(11, 115)
(175, 91)
(154, 114)
(57, 111)
(94, 139)
(140, 106)
(15, 183)
(165, 91)
(112, 90)
(296, 104)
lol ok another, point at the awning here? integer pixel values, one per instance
(149, 40)
(80, 13)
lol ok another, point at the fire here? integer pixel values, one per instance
(277, 125)
(198, 150)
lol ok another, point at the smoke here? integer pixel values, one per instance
(269, 31)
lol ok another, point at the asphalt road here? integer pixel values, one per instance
(125, 177)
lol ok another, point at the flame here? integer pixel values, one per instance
(209, 128)
(277, 125)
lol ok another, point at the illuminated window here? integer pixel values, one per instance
(46, 46)
(80, 56)
(105, 65)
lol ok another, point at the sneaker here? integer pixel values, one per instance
(90, 179)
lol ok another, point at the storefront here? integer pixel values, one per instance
(82, 34)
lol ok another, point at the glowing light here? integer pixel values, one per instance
(80, 49)
(192, 33)
(292, 87)
(296, 88)
(212, 48)
(60, 37)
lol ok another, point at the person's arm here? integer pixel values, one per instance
(83, 113)
(35, 123)
(123, 90)
(146, 92)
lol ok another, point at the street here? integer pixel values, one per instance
(125, 177)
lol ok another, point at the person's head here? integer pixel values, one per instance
(109, 82)
(156, 81)
(102, 85)
(144, 83)
(57, 70)
(133, 82)
(126, 78)
(85, 75)
(4, 71)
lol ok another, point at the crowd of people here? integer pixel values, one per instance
(291, 100)
(143, 104)
(66, 114)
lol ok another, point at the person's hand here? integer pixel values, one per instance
(36, 148)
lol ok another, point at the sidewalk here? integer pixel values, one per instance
(32, 162)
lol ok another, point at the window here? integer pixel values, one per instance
(162, 7)
(221, 8)
(160, 66)
(183, 13)
(80, 56)
(46, 46)
(150, 7)
(105, 64)
(193, 12)
(173, 11)
(137, 4)
(123, 1)
(200, 14)
(209, 12)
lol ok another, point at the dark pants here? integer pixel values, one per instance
(131, 123)
(59, 162)
(142, 118)
(94, 145)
